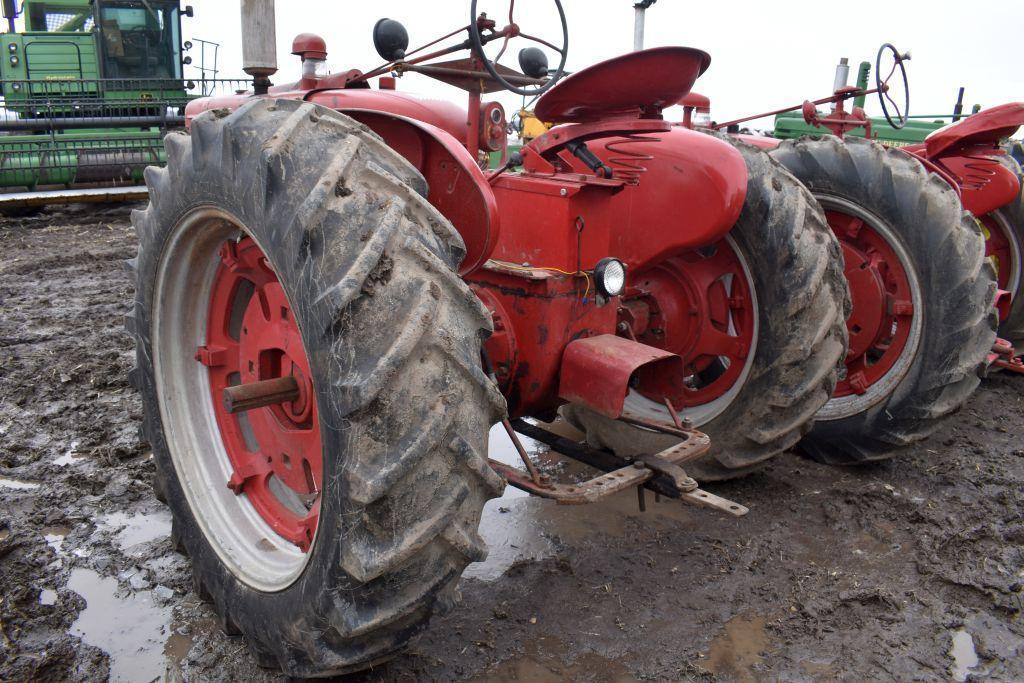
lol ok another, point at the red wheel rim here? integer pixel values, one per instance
(704, 310)
(275, 451)
(999, 248)
(883, 309)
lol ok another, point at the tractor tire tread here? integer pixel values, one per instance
(345, 217)
(925, 213)
(1013, 327)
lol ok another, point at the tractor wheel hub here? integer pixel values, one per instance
(274, 450)
(883, 309)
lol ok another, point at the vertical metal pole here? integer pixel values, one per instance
(259, 43)
(638, 26)
(958, 108)
(842, 74)
(862, 82)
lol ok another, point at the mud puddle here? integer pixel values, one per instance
(18, 484)
(129, 628)
(549, 660)
(965, 657)
(738, 649)
(521, 528)
(54, 536)
(134, 529)
(70, 456)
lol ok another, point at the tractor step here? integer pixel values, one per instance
(659, 472)
(1004, 357)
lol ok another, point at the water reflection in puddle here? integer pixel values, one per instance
(17, 484)
(965, 657)
(129, 628)
(69, 457)
(54, 536)
(135, 528)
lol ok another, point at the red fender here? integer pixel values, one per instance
(422, 132)
(689, 195)
(985, 184)
(966, 154)
(988, 127)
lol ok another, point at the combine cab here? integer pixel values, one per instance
(89, 89)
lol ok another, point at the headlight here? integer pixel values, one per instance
(610, 277)
(12, 47)
(14, 60)
(15, 86)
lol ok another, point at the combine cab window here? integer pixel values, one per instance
(60, 19)
(140, 39)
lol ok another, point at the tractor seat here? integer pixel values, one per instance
(632, 84)
(988, 126)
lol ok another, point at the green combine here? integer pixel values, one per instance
(792, 124)
(90, 88)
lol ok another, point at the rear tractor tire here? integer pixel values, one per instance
(286, 242)
(795, 338)
(923, 320)
(1004, 244)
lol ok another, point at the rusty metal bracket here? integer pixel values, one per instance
(1005, 357)
(661, 472)
(535, 476)
(658, 464)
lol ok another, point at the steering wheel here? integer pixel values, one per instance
(884, 89)
(478, 41)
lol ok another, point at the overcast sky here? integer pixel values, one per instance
(765, 55)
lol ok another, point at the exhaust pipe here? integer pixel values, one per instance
(259, 43)
(842, 74)
(639, 10)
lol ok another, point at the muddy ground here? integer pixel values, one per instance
(911, 570)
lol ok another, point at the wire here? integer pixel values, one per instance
(577, 273)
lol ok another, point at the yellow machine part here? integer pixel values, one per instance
(532, 126)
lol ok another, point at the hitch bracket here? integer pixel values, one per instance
(662, 472)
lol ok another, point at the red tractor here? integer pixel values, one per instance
(335, 302)
(925, 299)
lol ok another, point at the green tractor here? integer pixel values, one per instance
(792, 124)
(90, 88)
